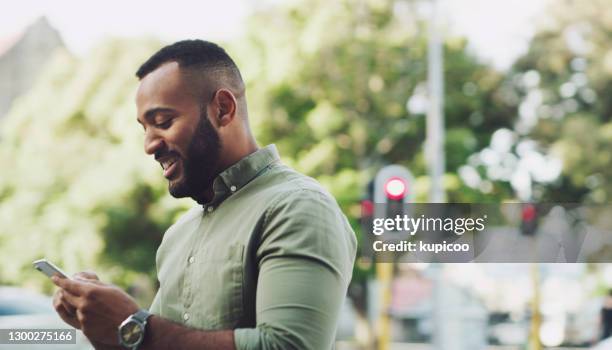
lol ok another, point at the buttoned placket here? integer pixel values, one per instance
(191, 272)
(209, 209)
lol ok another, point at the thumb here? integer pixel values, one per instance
(86, 275)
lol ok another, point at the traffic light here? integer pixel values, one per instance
(392, 191)
(529, 219)
(386, 196)
(396, 188)
(367, 207)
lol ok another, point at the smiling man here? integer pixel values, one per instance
(262, 262)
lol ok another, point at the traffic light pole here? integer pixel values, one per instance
(529, 227)
(384, 273)
(434, 153)
(392, 184)
(434, 146)
(536, 317)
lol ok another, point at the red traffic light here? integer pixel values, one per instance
(529, 212)
(396, 188)
(367, 208)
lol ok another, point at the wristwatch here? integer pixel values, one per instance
(131, 331)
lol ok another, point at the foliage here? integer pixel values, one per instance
(79, 186)
(333, 88)
(340, 88)
(559, 89)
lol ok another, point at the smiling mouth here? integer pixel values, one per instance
(169, 166)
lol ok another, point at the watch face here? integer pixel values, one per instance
(131, 333)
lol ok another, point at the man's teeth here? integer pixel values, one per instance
(167, 164)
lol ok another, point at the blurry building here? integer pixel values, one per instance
(447, 315)
(22, 58)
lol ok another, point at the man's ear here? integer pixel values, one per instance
(226, 107)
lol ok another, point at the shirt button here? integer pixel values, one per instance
(209, 209)
(233, 188)
(185, 316)
(191, 260)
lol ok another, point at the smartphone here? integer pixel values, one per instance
(48, 268)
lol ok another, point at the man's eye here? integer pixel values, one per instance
(164, 125)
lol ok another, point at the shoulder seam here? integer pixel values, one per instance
(275, 203)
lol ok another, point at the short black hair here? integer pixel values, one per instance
(192, 54)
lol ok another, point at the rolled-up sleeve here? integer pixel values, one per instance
(305, 261)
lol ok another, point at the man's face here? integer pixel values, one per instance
(177, 131)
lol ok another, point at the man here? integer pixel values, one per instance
(264, 260)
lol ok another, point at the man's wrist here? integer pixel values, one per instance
(131, 332)
(101, 346)
(163, 334)
(149, 333)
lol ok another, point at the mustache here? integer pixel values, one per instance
(163, 154)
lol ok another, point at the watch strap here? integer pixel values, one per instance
(142, 315)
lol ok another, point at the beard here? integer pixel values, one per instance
(201, 162)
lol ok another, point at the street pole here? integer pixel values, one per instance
(434, 146)
(384, 273)
(434, 153)
(536, 317)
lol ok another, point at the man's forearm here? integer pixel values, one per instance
(100, 346)
(162, 334)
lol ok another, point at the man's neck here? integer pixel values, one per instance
(239, 153)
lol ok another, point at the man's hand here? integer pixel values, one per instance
(94, 307)
(64, 309)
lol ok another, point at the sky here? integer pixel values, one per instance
(498, 30)
(83, 23)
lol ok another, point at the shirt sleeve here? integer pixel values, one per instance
(155, 307)
(305, 261)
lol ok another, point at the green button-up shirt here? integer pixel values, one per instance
(270, 256)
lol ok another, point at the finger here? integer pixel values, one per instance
(73, 300)
(57, 301)
(69, 319)
(70, 309)
(57, 298)
(74, 287)
(80, 316)
(60, 302)
(89, 281)
(63, 314)
(60, 308)
(87, 275)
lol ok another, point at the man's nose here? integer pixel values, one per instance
(152, 142)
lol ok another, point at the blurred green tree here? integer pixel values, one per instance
(341, 88)
(338, 86)
(559, 90)
(80, 190)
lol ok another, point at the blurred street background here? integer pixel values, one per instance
(343, 88)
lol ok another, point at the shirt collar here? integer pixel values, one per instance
(241, 173)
